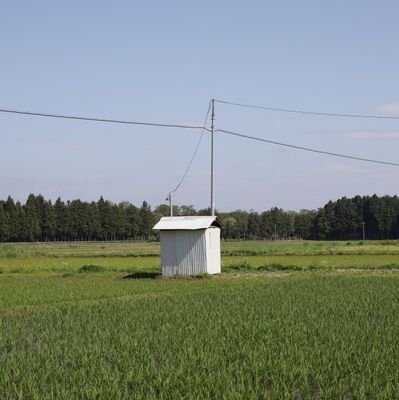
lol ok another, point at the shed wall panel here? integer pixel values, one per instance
(213, 250)
(168, 253)
(191, 252)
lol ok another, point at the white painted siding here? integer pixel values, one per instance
(213, 250)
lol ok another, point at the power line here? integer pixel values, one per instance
(112, 121)
(203, 128)
(308, 148)
(320, 114)
(195, 152)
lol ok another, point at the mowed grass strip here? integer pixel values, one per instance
(229, 248)
(46, 264)
(280, 337)
(79, 249)
(124, 257)
(119, 265)
(314, 262)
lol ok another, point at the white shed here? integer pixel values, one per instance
(189, 245)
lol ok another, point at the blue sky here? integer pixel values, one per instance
(163, 61)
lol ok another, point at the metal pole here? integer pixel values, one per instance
(169, 198)
(212, 176)
(364, 232)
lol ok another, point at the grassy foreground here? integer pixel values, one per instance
(295, 336)
(107, 333)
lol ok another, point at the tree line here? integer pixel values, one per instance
(42, 220)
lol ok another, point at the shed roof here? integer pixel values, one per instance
(186, 223)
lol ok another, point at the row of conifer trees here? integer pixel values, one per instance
(39, 219)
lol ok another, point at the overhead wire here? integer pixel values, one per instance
(307, 148)
(204, 128)
(316, 113)
(93, 119)
(194, 153)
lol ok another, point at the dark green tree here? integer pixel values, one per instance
(32, 231)
(4, 227)
(147, 220)
(61, 220)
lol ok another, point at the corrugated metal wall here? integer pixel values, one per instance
(168, 253)
(190, 252)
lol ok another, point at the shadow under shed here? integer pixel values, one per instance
(143, 275)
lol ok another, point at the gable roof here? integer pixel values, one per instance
(186, 223)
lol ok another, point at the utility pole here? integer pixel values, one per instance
(364, 232)
(170, 204)
(212, 174)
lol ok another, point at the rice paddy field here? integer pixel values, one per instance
(296, 320)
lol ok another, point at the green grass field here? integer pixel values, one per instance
(284, 321)
(128, 257)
